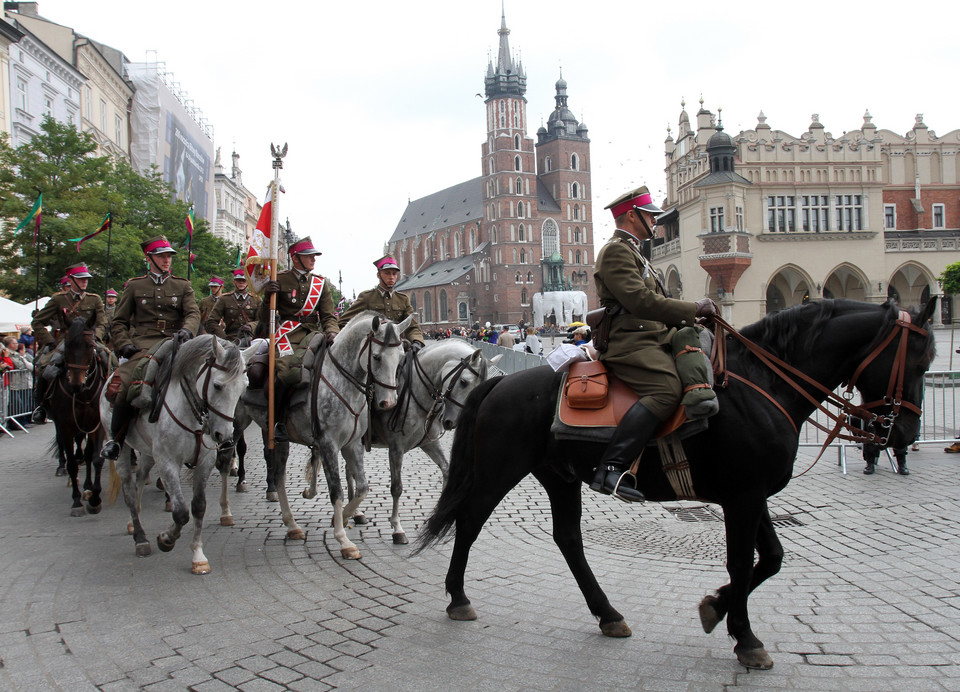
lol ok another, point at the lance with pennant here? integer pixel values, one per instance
(278, 155)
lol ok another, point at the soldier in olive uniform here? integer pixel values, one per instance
(237, 311)
(109, 307)
(639, 345)
(393, 305)
(153, 307)
(60, 311)
(208, 303)
(304, 307)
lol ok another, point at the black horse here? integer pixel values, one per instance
(744, 457)
(74, 410)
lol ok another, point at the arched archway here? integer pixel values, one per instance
(910, 285)
(845, 281)
(674, 285)
(789, 286)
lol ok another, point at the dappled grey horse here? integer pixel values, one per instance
(193, 423)
(434, 384)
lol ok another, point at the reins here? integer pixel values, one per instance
(791, 375)
(93, 386)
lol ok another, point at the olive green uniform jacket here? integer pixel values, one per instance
(206, 307)
(235, 311)
(294, 289)
(62, 309)
(393, 305)
(639, 349)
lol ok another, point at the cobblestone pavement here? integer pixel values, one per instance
(868, 597)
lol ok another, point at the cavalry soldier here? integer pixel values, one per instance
(207, 304)
(643, 323)
(60, 311)
(393, 305)
(237, 311)
(153, 307)
(109, 307)
(304, 307)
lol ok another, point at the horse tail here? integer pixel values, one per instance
(461, 474)
(113, 488)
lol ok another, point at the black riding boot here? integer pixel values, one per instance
(902, 463)
(39, 415)
(632, 434)
(280, 412)
(122, 413)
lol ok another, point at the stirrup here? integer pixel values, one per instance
(616, 488)
(111, 450)
(39, 415)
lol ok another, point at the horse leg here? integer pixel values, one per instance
(396, 492)
(198, 506)
(273, 472)
(325, 452)
(73, 470)
(353, 463)
(61, 461)
(132, 486)
(743, 519)
(241, 470)
(224, 464)
(435, 452)
(358, 516)
(91, 452)
(294, 532)
(169, 472)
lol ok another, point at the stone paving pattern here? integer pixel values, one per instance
(867, 599)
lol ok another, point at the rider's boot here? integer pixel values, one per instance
(870, 468)
(280, 412)
(122, 413)
(632, 434)
(40, 396)
(902, 462)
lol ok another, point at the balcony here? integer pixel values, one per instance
(666, 250)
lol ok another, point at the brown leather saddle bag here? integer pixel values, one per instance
(589, 387)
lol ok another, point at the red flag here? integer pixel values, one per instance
(258, 258)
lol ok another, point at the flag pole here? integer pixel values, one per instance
(278, 155)
(106, 273)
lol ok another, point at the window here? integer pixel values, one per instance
(576, 212)
(22, 94)
(522, 234)
(575, 162)
(890, 216)
(740, 218)
(516, 164)
(103, 115)
(519, 186)
(519, 210)
(117, 129)
(781, 214)
(546, 165)
(519, 278)
(529, 277)
(523, 297)
(88, 103)
(577, 257)
(550, 237)
(575, 191)
(849, 213)
(523, 256)
(576, 234)
(716, 219)
(815, 210)
(939, 216)
(48, 106)
(443, 305)
(427, 307)
(516, 142)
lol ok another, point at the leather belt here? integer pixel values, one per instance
(309, 319)
(158, 324)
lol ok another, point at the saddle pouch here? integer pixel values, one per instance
(257, 370)
(587, 385)
(599, 321)
(113, 387)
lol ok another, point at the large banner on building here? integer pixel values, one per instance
(188, 167)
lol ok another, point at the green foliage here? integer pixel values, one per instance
(78, 191)
(951, 279)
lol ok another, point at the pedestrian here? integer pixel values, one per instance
(386, 300)
(234, 316)
(507, 340)
(533, 344)
(639, 346)
(27, 338)
(18, 380)
(153, 307)
(304, 307)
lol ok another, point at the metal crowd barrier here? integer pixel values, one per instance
(512, 361)
(16, 400)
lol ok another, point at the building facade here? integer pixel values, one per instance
(237, 209)
(105, 95)
(481, 250)
(9, 35)
(764, 220)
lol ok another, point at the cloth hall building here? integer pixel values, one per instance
(481, 250)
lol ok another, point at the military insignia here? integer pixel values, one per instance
(144, 301)
(174, 299)
(293, 293)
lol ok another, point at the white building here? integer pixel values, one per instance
(237, 209)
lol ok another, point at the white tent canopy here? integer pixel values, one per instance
(13, 315)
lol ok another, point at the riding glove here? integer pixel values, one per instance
(183, 335)
(271, 287)
(246, 330)
(330, 337)
(128, 351)
(706, 308)
(416, 346)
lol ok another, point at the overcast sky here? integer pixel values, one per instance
(377, 100)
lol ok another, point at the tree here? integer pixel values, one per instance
(950, 278)
(79, 189)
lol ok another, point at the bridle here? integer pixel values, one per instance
(200, 407)
(91, 386)
(865, 411)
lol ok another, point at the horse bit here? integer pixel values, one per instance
(200, 408)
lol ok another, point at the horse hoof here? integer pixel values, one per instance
(160, 485)
(164, 545)
(307, 494)
(709, 617)
(201, 567)
(297, 535)
(272, 496)
(400, 539)
(350, 553)
(242, 487)
(754, 658)
(77, 512)
(617, 629)
(143, 550)
(130, 527)
(227, 521)
(233, 472)
(87, 494)
(94, 509)
(61, 471)
(168, 507)
(464, 612)
(360, 520)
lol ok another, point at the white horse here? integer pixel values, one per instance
(357, 370)
(194, 422)
(433, 388)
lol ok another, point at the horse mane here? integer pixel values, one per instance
(192, 354)
(74, 335)
(362, 321)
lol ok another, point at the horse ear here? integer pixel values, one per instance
(217, 348)
(927, 313)
(496, 359)
(375, 325)
(403, 326)
(477, 355)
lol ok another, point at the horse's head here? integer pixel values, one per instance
(79, 351)
(459, 378)
(891, 380)
(378, 352)
(219, 382)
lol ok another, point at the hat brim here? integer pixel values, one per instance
(83, 275)
(162, 251)
(309, 251)
(652, 208)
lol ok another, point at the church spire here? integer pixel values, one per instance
(506, 78)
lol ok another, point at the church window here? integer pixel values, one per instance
(516, 115)
(519, 278)
(575, 191)
(456, 245)
(519, 188)
(520, 210)
(529, 277)
(503, 114)
(522, 234)
(546, 165)
(575, 162)
(576, 235)
(523, 297)
(577, 255)
(550, 236)
(516, 142)
(576, 212)
(517, 164)
(490, 167)
(427, 307)
(523, 256)
(443, 305)
(413, 301)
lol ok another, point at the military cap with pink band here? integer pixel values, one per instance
(640, 198)
(156, 245)
(386, 262)
(304, 247)
(78, 271)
